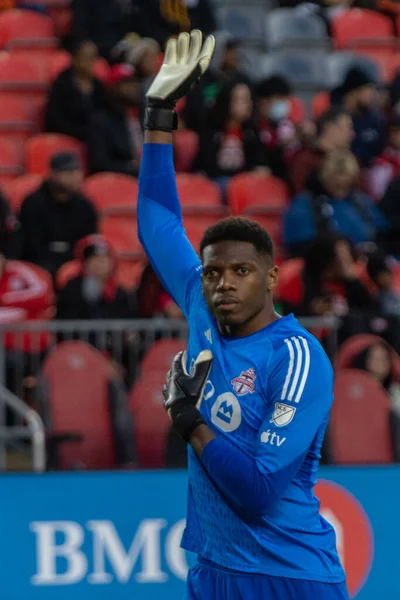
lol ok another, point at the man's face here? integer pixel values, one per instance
(99, 267)
(342, 132)
(237, 282)
(67, 181)
(85, 58)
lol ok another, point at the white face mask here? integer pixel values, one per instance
(279, 110)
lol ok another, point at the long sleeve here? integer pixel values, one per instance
(299, 401)
(160, 226)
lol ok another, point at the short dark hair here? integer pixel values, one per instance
(329, 117)
(74, 43)
(239, 229)
(276, 85)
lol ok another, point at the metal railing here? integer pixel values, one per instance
(25, 346)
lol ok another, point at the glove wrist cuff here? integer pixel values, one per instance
(186, 418)
(160, 119)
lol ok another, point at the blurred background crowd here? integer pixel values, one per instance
(296, 125)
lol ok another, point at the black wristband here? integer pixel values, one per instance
(186, 418)
(160, 119)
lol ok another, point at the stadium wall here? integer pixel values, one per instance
(116, 535)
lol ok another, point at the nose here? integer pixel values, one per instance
(226, 283)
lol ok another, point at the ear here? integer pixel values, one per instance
(273, 278)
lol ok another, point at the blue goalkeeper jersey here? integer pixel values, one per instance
(268, 394)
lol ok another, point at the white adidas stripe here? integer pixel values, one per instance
(299, 355)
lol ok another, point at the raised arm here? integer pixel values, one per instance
(160, 225)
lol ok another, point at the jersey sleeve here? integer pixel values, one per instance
(300, 394)
(160, 226)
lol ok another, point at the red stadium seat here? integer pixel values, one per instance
(18, 189)
(112, 193)
(161, 354)
(288, 271)
(129, 272)
(320, 103)
(122, 234)
(10, 164)
(252, 193)
(80, 404)
(151, 420)
(21, 73)
(298, 112)
(25, 28)
(195, 227)
(357, 26)
(355, 345)
(186, 147)
(386, 59)
(41, 148)
(199, 195)
(359, 422)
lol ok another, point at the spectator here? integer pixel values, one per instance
(223, 69)
(334, 132)
(115, 135)
(8, 229)
(94, 293)
(75, 94)
(389, 206)
(143, 55)
(153, 300)
(357, 95)
(380, 270)
(231, 144)
(328, 283)
(387, 165)
(340, 207)
(56, 216)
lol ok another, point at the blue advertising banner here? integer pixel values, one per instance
(116, 535)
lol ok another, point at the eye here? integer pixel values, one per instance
(243, 271)
(210, 274)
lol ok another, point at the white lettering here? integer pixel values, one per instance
(176, 556)
(106, 542)
(268, 438)
(47, 552)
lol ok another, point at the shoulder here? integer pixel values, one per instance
(83, 202)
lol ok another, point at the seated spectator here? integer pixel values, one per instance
(75, 94)
(231, 143)
(56, 216)
(94, 293)
(334, 132)
(115, 135)
(389, 206)
(357, 95)
(328, 284)
(339, 207)
(143, 55)
(224, 68)
(387, 165)
(277, 132)
(380, 270)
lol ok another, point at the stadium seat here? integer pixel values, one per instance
(298, 111)
(129, 272)
(195, 226)
(355, 345)
(19, 188)
(10, 165)
(151, 420)
(358, 26)
(287, 28)
(25, 28)
(320, 103)
(359, 422)
(305, 71)
(40, 149)
(15, 121)
(246, 24)
(387, 61)
(338, 64)
(160, 355)
(250, 193)
(21, 74)
(199, 195)
(186, 147)
(122, 234)
(288, 271)
(112, 193)
(80, 404)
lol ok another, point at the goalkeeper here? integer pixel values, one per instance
(265, 384)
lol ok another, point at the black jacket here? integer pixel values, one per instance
(110, 145)
(72, 304)
(68, 110)
(390, 207)
(50, 229)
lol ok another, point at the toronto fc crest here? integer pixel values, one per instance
(244, 383)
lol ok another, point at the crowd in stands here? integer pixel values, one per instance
(317, 163)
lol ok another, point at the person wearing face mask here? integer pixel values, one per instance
(339, 207)
(54, 217)
(357, 95)
(115, 135)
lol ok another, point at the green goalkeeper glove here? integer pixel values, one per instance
(184, 62)
(183, 392)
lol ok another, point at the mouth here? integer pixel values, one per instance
(226, 304)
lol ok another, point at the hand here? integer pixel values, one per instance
(183, 392)
(184, 62)
(345, 262)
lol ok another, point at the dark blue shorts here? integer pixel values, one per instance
(207, 582)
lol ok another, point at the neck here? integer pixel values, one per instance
(265, 317)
